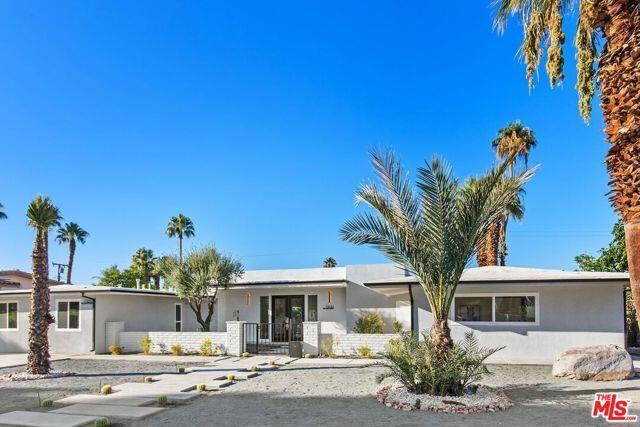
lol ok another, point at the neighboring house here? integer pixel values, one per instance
(534, 313)
(18, 279)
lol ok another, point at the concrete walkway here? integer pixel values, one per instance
(11, 360)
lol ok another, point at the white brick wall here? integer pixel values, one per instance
(235, 338)
(311, 337)
(348, 344)
(161, 342)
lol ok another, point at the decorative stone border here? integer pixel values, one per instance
(484, 400)
(24, 376)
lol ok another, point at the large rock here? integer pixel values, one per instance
(597, 363)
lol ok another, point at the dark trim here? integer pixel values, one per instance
(410, 286)
(498, 282)
(93, 328)
(97, 291)
(624, 314)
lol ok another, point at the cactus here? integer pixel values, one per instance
(47, 403)
(148, 380)
(201, 387)
(271, 362)
(181, 370)
(231, 377)
(162, 400)
(102, 422)
(254, 368)
(106, 389)
(115, 350)
(245, 354)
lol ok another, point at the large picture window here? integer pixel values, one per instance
(68, 315)
(496, 308)
(8, 315)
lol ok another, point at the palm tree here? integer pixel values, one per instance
(2, 214)
(180, 226)
(329, 262)
(143, 262)
(607, 40)
(71, 233)
(41, 215)
(434, 230)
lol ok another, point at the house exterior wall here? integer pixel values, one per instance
(333, 320)
(140, 313)
(60, 341)
(362, 300)
(570, 314)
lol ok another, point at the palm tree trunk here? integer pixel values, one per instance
(72, 254)
(488, 252)
(39, 317)
(503, 240)
(440, 336)
(180, 247)
(619, 78)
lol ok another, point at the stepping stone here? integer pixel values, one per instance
(171, 397)
(217, 385)
(241, 376)
(267, 367)
(109, 411)
(112, 399)
(45, 419)
(161, 387)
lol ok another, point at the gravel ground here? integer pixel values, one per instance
(23, 395)
(295, 396)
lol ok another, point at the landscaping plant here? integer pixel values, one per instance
(115, 350)
(370, 323)
(181, 370)
(201, 387)
(231, 377)
(146, 343)
(419, 366)
(365, 352)
(147, 379)
(206, 348)
(106, 389)
(47, 403)
(329, 347)
(162, 400)
(102, 422)
(397, 327)
(176, 350)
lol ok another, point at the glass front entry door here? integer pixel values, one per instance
(287, 316)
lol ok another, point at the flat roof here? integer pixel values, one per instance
(93, 290)
(297, 276)
(496, 274)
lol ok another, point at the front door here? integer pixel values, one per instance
(288, 310)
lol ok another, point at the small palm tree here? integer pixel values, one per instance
(329, 262)
(2, 214)
(180, 226)
(41, 215)
(71, 233)
(143, 262)
(434, 230)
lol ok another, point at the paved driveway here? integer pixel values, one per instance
(9, 360)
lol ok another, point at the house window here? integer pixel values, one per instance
(264, 317)
(473, 309)
(9, 315)
(178, 317)
(496, 308)
(516, 309)
(68, 315)
(312, 310)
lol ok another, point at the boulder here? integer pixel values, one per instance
(597, 363)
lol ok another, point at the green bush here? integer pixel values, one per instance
(397, 327)
(145, 343)
(162, 400)
(207, 349)
(115, 350)
(176, 350)
(106, 389)
(365, 352)
(181, 370)
(417, 365)
(102, 422)
(47, 403)
(329, 347)
(370, 323)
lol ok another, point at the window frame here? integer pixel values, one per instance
(17, 328)
(175, 320)
(494, 295)
(69, 301)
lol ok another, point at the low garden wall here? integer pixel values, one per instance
(161, 342)
(348, 344)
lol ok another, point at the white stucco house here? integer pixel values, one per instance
(535, 314)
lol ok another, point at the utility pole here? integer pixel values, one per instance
(61, 268)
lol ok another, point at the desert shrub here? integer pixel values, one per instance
(271, 362)
(102, 422)
(47, 403)
(147, 379)
(201, 387)
(397, 327)
(115, 350)
(370, 323)
(106, 389)
(329, 346)
(417, 364)
(145, 343)
(245, 354)
(206, 348)
(162, 400)
(181, 370)
(231, 377)
(365, 352)
(176, 350)
(254, 368)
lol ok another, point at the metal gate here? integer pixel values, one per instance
(273, 338)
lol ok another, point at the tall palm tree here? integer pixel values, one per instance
(2, 214)
(329, 262)
(607, 40)
(143, 262)
(71, 233)
(434, 230)
(41, 215)
(180, 226)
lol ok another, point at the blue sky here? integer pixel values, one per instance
(255, 118)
